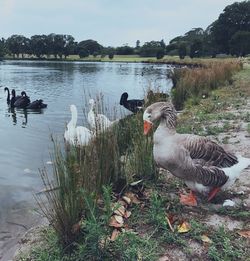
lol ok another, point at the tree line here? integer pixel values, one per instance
(229, 34)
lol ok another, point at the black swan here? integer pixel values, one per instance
(37, 104)
(132, 105)
(14, 98)
(22, 102)
(6, 89)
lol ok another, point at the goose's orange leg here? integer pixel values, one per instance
(189, 200)
(212, 193)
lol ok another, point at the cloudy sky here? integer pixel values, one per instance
(110, 22)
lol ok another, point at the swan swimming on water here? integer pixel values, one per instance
(23, 101)
(76, 135)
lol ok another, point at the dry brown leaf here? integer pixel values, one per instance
(133, 197)
(188, 200)
(76, 227)
(169, 224)
(119, 219)
(127, 214)
(184, 227)
(127, 200)
(114, 235)
(120, 211)
(244, 233)
(206, 239)
(114, 223)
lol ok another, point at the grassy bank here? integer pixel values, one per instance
(131, 58)
(116, 176)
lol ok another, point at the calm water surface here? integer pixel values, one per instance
(25, 135)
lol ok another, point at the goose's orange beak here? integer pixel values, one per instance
(147, 126)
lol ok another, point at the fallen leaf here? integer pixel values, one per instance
(127, 200)
(169, 224)
(120, 211)
(133, 197)
(184, 227)
(206, 239)
(136, 182)
(76, 227)
(244, 233)
(119, 219)
(127, 214)
(114, 235)
(114, 223)
(188, 200)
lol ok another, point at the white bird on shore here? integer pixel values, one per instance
(76, 135)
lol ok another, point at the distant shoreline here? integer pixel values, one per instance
(173, 61)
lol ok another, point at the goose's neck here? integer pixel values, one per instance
(169, 122)
(167, 127)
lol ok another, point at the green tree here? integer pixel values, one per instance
(240, 43)
(150, 49)
(69, 45)
(124, 50)
(2, 48)
(182, 50)
(137, 45)
(90, 45)
(17, 44)
(235, 17)
(39, 45)
(83, 53)
(160, 54)
(196, 48)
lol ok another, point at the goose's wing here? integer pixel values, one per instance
(208, 152)
(185, 167)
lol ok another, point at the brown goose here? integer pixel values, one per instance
(204, 165)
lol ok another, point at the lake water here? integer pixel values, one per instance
(25, 135)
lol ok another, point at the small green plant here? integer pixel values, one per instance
(224, 246)
(131, 247)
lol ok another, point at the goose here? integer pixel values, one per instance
(22, 102)
(76, 135)
(203, 164)
(132, 105)
(97, 122)
(37, 104)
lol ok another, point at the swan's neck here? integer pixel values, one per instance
(8, 95)
(73, 120)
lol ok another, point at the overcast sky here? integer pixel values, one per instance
(110, 22)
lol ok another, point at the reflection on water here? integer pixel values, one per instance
(25, 135)
(20, 116)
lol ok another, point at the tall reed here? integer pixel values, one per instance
(196, 82)
(121, 152)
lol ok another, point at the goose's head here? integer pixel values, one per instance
(23, 93)
(6, 89)
(13, 93)
(159, 111)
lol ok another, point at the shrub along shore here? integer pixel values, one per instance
(108, 200)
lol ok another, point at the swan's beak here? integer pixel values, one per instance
(147, 126)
